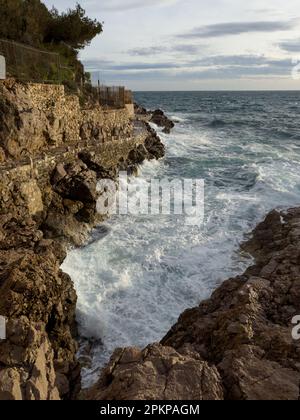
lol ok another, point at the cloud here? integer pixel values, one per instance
(183, 75)
(117, 5)
(237, 28)
(190, 49)
(98, 65)
(147, 51)
(219, 66)
(290, 45)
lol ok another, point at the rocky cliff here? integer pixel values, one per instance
(237, 345)
(52, 155)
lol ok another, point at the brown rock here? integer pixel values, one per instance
(27, 370)
(157, 373)
(239, 340)
(161, 120)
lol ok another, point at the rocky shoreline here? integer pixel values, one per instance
(45, 206)
(237, 345)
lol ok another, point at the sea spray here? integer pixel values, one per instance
(134, 282)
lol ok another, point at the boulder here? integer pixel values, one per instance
(157, 373)
(161, 120)
(26, 363)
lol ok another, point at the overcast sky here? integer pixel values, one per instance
(194, 44)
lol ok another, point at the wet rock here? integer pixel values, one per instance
(154, 145)
(161, 120)
(243, 333)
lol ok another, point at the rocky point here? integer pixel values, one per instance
(237, 345)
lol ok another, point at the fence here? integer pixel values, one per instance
(29, 64)
(114, 96)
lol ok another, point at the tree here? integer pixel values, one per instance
(24, 21)
(73, 28)
(30, 22)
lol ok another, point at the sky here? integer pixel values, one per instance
(194, 44)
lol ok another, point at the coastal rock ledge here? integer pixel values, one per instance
(53, 152)
(237, 345)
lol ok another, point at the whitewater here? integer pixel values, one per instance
(138, 274)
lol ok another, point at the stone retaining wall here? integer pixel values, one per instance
(35, 118)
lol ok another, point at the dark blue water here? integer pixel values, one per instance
(134, 283)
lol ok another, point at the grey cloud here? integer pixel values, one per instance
(95, 65)
(113, 5)
(156, 50)
(291, 45)
(210, 67)
(117, 5)
(237, 28)
(148, 51)
(230, 73)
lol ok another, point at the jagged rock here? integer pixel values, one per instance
(48, 200)
(101, 172)
(243, 332)
(157, 373)
(59, 173)
(79, 185)
(140, 110)
(154, 146)
(138, 155)
(161, 120)
(26, 363)
(33, 286)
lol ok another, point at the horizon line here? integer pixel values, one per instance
(221, 90)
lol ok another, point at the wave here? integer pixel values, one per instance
(139, 273)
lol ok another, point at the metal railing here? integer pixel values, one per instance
(114, 96)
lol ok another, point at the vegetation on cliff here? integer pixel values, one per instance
(31, 23)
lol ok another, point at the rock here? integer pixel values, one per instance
(33, 291)
(2, 155)
(101, 172)
(239, 341)
(140, 110)
(138, 155)
(48, 200)
(78, 185)
(161, 120)
(32, 196)
(154, 145)
(157, 373)
(26, 357)
(59, 173)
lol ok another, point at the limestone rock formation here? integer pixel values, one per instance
(46, 203)
(243, 333)
(156, 373)
(28, 356)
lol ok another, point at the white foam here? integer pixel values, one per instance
(133, 284)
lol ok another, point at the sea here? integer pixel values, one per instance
(138, 273)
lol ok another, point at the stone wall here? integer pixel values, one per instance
(35, 118)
